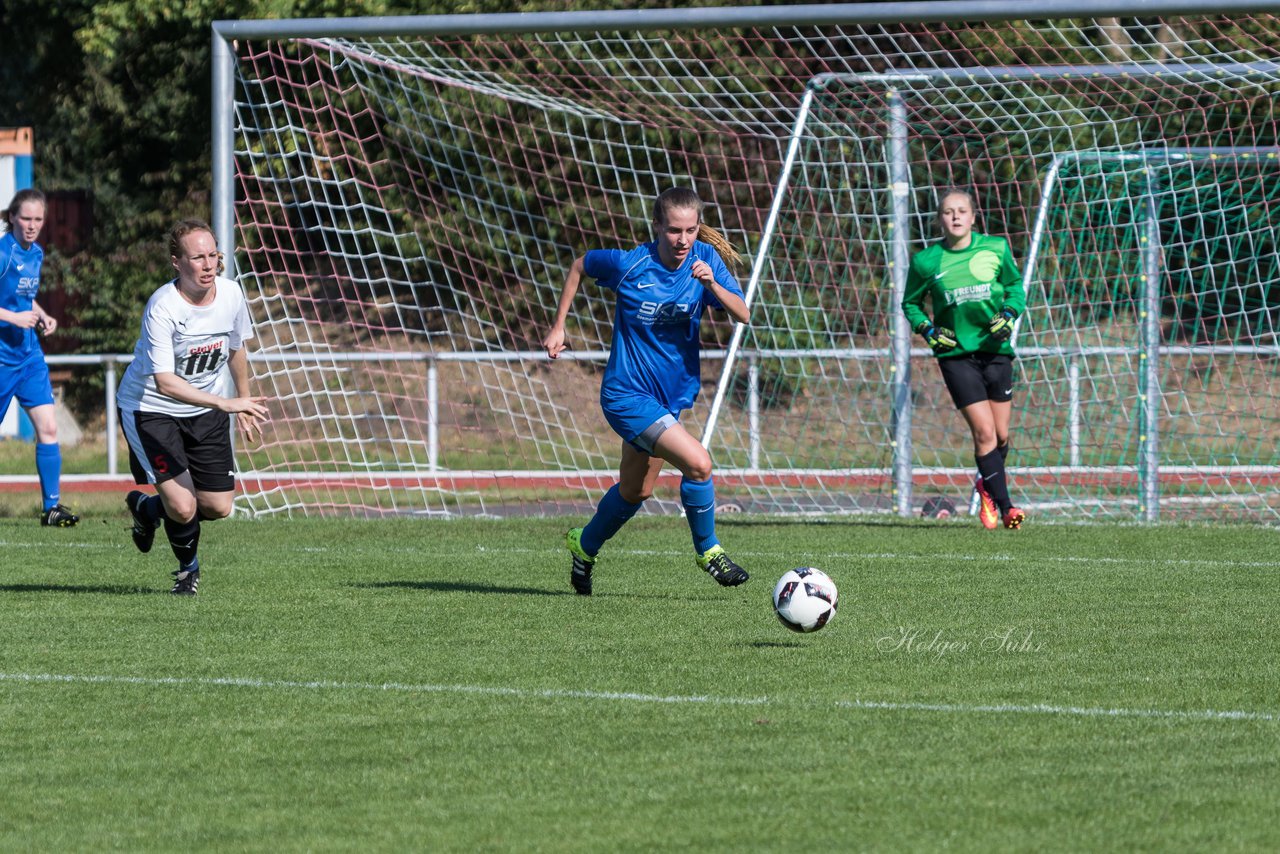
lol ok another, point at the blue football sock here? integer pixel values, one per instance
(611, 514)
(49, 467)
(699, 500)
(151, 509)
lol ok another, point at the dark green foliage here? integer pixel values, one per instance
(118, 95)
(105, 294)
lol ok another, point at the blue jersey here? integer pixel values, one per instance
(19, 281)
(655, 325)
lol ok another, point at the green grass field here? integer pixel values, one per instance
(434, 686)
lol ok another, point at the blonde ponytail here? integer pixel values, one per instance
(723, 247)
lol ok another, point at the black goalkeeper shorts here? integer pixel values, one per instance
(975, 377)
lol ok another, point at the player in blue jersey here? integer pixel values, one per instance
(653, 373)
(23, 372)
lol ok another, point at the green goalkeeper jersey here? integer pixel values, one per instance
(965, 287)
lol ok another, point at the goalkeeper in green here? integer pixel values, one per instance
(976, 295)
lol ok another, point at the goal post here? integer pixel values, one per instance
(401, 198)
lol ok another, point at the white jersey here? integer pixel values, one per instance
(192, 341)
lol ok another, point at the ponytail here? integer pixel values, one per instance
(721, 244)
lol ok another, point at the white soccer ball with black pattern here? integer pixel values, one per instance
(805, 599)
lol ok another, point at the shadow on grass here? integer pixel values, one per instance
(887, 521)
(472, 587)
(777, 644)
(463, 587)
(110, 589)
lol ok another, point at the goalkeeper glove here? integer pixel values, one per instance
(1001, 325)
(939, 338)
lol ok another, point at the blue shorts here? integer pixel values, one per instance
(29, 382)
(637, 418)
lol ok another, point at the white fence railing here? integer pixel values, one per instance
(111, 362)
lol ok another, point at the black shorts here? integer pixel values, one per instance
(161, 447)
(975, 377)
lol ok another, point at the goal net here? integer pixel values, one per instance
(406, 207)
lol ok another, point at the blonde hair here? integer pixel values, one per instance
(956, 191)
(182, 228)
(682, 198)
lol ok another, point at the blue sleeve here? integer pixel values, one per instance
(605, 266)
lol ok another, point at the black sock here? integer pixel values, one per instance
(991, 467)
(1004, 452)
(184, 537)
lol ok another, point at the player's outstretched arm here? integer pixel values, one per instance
(553, 343)
(171, 385)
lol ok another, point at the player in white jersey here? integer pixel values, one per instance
(189, 373)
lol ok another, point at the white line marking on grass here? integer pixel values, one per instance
(58, 545)
(1076, 711)
(401, 687)
(852, 557)
(628, 696)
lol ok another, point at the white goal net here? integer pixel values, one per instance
(406, 207)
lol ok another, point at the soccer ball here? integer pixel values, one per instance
(805, 599)
(938, 507)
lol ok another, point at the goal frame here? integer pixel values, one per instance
(898, 159)
(224, 33)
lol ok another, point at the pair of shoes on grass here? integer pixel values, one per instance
(143, 531)
(713, 561)
(990, 515)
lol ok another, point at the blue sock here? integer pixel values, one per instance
(151, 509)
(611, 514)
(49, 467)
(699, 500)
